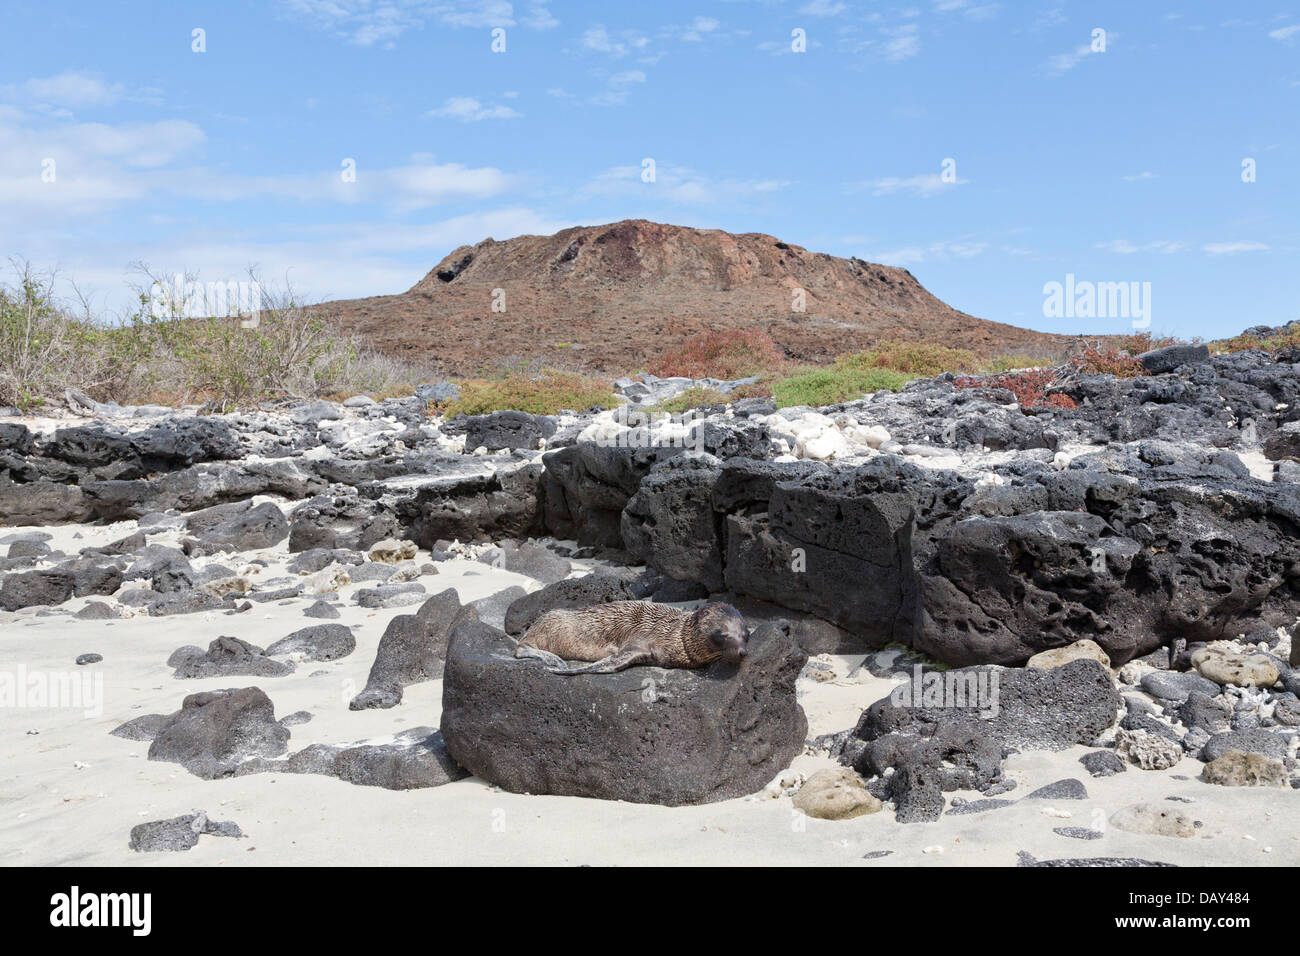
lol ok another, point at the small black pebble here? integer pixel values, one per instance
(90, 658)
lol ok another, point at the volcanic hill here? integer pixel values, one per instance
(609, 298)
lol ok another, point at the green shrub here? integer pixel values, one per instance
(1009, 363)
(46, 349)
(917, 359)
(828, 386)
(693, 398)
(543, 394)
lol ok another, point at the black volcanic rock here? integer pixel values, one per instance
(645, 734)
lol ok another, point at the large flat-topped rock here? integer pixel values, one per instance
(645, 735)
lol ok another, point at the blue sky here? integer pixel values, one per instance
(1115, 165)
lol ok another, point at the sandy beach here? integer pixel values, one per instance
(74, 791)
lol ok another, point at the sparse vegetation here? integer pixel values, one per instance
(827, 386)
(1033, 388)
(46, 348)
(1106, 359)
(694, 398)
(1139, 342)
(291, 350)
(1289, 339)
(728, 356)
(542, 394)
(915, 359)
(1009, 363)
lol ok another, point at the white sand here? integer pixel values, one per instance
(73, 792)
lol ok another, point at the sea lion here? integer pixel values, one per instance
(623, 633)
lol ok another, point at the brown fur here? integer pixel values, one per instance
(638, 631)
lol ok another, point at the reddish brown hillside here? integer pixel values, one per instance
(609, 298)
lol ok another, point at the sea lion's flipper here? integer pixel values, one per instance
(615, 662)
(551, 661)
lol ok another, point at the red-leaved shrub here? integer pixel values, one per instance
(1108, 360)
(1032, 387)
(733, 354)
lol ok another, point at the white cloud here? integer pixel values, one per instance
(100, 167)
(1051, 17)
(1137, 177)
(1285, 33)
(1125, 248)
(539, 18)
(76, 89)
(470, 13)
(678, 184)
(469, 110)
(418, 186)
(60, 173)
(823, 8)
(600, 40)
(925, 185)
(1232, 248)
(616, 88)
(971, 11)
(367, 23)
(1064, 62)
(944, 249)
(903, 44)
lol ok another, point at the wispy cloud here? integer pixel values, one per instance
(1064, 62)
(924, 185)
(77, 89)
(1138, 177)
(599, 40)
(1233, 248)
(891, 40)
(617, 87)
(944, 249)
(1285, 34)
(903, 43)
(823, 8)
(99, 167)
(699, 28)
(1125, 247)
(367, 23)
(679, 184)
(467, 109)
(969, 9)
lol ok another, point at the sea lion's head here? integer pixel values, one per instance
(724, 629)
